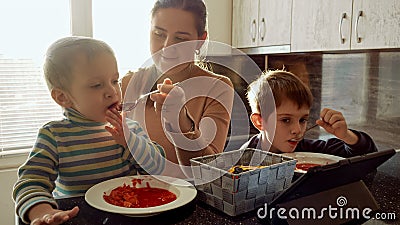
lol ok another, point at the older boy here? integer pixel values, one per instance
(293, 101)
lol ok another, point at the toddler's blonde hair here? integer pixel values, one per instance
(61, 55)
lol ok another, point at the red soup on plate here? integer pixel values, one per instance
(142, 197)
(305, 166)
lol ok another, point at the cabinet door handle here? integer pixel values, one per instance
(253, 30)
(342, 38)
(262, 29)
(360, 14)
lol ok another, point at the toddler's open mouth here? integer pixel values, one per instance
(116, 106)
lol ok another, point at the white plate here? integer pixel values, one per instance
(184, 191)
(311, 157)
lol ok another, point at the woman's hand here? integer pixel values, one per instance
(165, 89)
(118, 125)
(335, 123)
(170, 102)
(49, 216)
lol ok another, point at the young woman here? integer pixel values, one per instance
(192, 118)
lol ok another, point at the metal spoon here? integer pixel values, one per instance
(300, 138)
(129, 106)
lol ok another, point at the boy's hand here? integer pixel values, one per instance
(53, 216)
(118, 125)
(335, 123)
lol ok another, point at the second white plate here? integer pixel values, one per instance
(314, 158)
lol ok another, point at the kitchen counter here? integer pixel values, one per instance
(384, 185)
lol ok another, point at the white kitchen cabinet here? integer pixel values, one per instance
(274, 18)
(244, 23)
(319, 25)
(376, 24)
(323, 25)
(260, 23)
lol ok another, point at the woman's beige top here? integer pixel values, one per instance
(208, 95)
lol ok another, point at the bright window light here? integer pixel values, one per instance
(125, 26)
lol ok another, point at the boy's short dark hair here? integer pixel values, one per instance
(283, 86)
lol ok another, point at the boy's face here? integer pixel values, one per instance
(94, 87)
(291, 124)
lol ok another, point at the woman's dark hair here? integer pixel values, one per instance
(197, 7)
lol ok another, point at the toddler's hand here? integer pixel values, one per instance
(56, 217)
(118, 125)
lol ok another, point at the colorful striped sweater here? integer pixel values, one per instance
(73, 154)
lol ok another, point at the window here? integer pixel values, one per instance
(126, 28)
(27, 28)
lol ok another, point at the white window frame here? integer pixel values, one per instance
(81, 18)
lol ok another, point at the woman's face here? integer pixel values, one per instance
(171, 31)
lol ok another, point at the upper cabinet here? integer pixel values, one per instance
(376, 24)
(244, 23)
(345, 25)
(261, 23)
(321, 25)
(274, 19)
